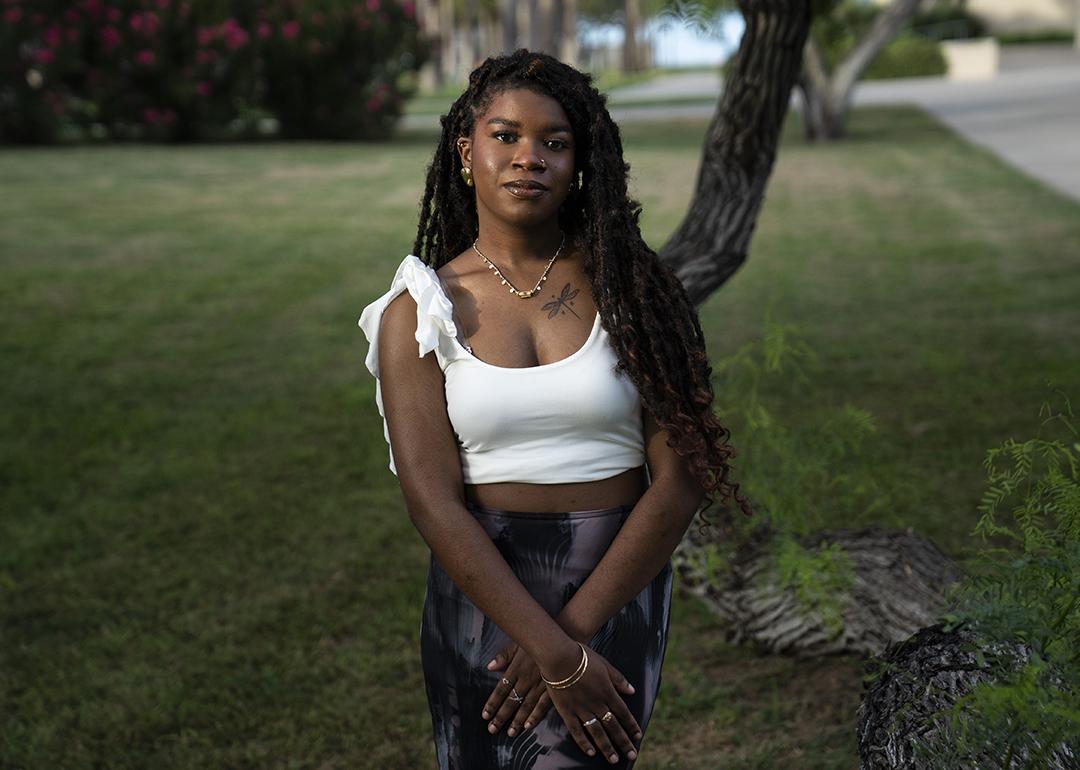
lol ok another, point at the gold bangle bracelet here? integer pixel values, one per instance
(580, 672)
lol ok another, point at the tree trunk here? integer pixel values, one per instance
(827, 99)
(508, 24)
(631, 19)
(899, 580)
(927, 673)
(568, 45)
(740, 146)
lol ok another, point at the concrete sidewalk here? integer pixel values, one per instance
(1029, 115)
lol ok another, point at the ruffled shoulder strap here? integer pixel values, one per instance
(434, 311)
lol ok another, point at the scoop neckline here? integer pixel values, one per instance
(593, 334)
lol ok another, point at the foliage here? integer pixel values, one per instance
(1031, 598)
(204, 69)
(798, 471)
(843, 24)
(947, 21)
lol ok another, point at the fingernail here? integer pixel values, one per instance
(590, 752)
(491, 664)
(528, 725)
(631, 754)
(492, 728)
(486, 715)
(637, 736)
(614, 757)
(631, 687)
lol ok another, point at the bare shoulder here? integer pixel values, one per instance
(459, 269)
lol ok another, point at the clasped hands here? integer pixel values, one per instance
(592, 707)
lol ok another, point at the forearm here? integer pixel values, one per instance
(470, 558)
(639, 551)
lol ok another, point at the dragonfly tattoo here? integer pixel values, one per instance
(564, 300)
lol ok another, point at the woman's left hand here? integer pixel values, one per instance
(523, 676)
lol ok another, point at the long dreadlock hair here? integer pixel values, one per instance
(652, 324)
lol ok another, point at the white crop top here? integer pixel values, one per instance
(575, 419)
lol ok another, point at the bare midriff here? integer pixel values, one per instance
(625, 488)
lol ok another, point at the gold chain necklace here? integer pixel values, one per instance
(514, 289)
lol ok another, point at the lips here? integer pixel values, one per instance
(528, 191)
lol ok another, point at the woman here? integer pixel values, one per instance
(554, 449)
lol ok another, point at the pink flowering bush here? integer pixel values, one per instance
(333, 68)
(183, 70)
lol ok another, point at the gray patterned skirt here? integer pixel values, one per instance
(551, 554)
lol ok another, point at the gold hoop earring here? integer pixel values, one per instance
(466, 174)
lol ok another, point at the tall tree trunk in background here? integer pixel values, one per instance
(447, 66)
(711, 242)
(827, 96)
(508, 20)
(568, 45)
(544, 27)
(470, 29)
(631, 19)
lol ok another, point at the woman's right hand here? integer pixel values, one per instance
(595, 694)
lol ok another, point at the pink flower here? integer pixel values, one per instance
(145, 58)
(151, 116)
(150, 22)
(52, 36)
(263, 30)
(205, 35)
(92, 7)
(110, 38)
(409, 8)
(290, 29)
(202, 88)
(163, 4)
(206, 56)
(373, 5)
(44, 56)
(136, 22)
(12, 15)
(113, 14)
(235, 38)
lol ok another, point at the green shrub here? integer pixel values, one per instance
(1028, 595)
(838, 30)
(799, 473)
(204, 69)
(907, 57)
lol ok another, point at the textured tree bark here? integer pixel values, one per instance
(899, 582)
(712, 241)
(923, 674)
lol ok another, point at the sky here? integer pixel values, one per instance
(677, 44)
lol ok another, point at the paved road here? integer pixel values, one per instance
(1029, 115)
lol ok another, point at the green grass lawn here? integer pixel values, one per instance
(204, 560)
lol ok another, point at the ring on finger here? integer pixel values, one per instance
(592, 721)
(514, 695)
(505, 681)
(607, 717)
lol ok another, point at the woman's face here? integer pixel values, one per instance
(523, 137)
